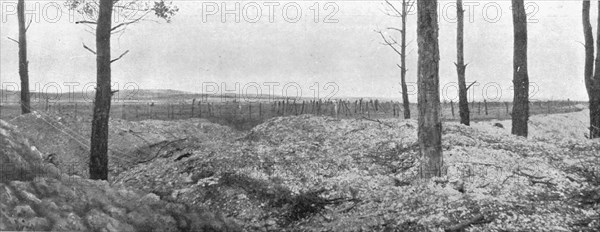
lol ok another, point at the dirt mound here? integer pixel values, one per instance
(129, 142)
(367, 170)
(35, 196)
(566, 127)
(19, 159)
(53, 134)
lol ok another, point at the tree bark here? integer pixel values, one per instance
(430, 126)
(99, 140)
(463, 102)
(520, 114)
(23, 63)
(405, 101)
(592, 75)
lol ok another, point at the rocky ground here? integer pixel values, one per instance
(309, 173)
(35, 195)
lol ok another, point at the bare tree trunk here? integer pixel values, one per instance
(99, 141)
(463, 103)
(430, 126)
(23, 63)
(592, 77)
(405, 101)
(520, 114)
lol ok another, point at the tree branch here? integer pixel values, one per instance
(389, 43)
(121, 56)
(471, 85)
(401, 68)
(89, 49)
(464, 65)
(395, 29)
(29, 24)
(394, 8)
(14, 40)
(85, 22)
(130, 22)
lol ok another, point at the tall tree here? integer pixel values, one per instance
(592, 80)
(520, 114)
(99, 148)
(23, 63)
(98, 165)
(463, 102)
(430, 126)
(403, 13)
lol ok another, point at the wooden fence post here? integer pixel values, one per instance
(367, 108)
(193, 103)
(278, 106)
(452, 108)
(486, 107)
(250, 110)
(123, 115)
(181, 107)
(200, 109)
(337, 107)
(295, 107)
(360, 106)
(319, 105)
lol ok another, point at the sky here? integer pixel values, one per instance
(299, 48)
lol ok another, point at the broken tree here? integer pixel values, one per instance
(463, 102)
(23, 62)
(392, 43)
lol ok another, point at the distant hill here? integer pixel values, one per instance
(162, 95)
(153, 95)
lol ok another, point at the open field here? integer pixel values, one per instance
(243, 115)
